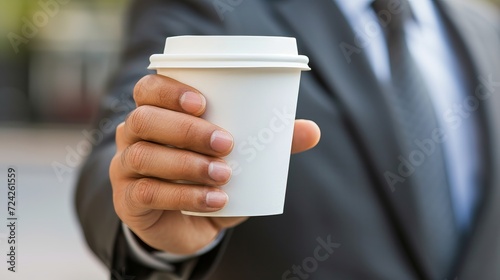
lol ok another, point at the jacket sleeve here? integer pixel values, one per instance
(149, 23)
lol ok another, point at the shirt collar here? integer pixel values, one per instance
(422, 10)
(354, 7)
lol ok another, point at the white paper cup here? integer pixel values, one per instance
(251, 84)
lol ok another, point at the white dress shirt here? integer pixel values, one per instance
(162, 260)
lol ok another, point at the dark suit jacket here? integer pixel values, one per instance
(341, 219)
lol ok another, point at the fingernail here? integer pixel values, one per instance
(221, 141)
(219, 171)
(216, 199)
(192, 102)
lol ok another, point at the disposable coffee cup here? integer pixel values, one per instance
(251, 84)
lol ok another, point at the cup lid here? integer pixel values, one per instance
(229, 52)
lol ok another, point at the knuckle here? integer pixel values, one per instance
(182, 198)
(119, 206)
(137, 156)
(168, 96)
(119, 129)
(142, 192)
(117, 185)
(140, 119)
(140, 88)
(184, 162)
(193, 167)
(114, 168)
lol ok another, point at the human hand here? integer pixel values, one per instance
(163, 141)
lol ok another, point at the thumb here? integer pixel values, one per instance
(305, 136)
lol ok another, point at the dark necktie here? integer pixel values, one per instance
(416, 121)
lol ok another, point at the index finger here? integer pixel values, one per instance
(167, 93)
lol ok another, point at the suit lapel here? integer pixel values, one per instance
(355, 88)
(481, 255)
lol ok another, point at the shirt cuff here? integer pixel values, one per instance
(161, 260)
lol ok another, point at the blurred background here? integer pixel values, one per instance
(55, 59)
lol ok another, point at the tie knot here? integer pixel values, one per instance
(392, 14)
